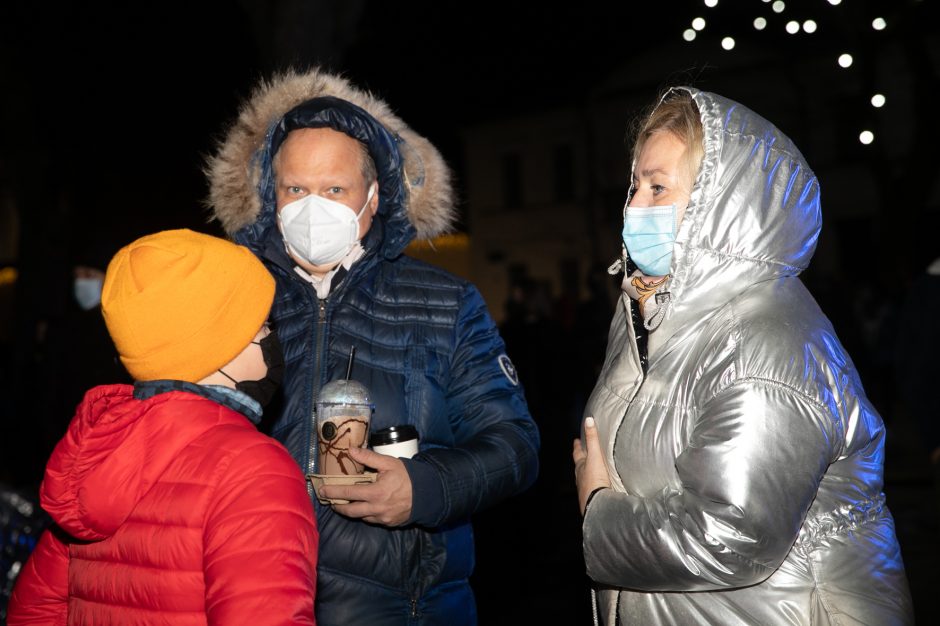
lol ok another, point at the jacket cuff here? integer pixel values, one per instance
(587, 503)
(427, 493)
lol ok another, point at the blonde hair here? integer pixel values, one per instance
(676, 113)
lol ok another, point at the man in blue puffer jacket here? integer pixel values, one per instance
(328, 187)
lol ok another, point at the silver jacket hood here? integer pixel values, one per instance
(753, 216)
(234, 171)
(746, 463)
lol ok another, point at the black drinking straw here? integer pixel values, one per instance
(352, 356)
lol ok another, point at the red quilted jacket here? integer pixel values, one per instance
(170, 510)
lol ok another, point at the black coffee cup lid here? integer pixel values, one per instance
(393, 434)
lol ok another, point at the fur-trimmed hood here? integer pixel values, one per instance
(414, 180)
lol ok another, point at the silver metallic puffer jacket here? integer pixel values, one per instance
(747, 463)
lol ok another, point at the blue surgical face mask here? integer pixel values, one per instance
(88, 292)
(649, 234)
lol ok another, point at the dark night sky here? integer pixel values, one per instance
(121, 105)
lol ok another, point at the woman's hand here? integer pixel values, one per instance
(590, 470)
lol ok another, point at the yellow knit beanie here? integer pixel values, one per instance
(181, 304)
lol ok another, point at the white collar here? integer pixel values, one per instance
(324, 285)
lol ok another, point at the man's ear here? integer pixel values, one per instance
(374, 202)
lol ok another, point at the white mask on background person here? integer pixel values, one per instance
(88, 292)
(319, 230)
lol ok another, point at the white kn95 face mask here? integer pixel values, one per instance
(319, 230)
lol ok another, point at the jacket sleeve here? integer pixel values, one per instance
(261, 542)
(747, 478)
(497, 442)
(40, 595)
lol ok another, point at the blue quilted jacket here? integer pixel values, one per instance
(432, 357)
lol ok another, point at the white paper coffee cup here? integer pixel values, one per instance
(399, 441)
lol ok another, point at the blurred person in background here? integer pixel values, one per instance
(917, 364)
(76, 353)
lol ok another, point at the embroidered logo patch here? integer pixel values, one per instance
(508, 369)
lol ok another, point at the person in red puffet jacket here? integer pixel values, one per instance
(169, 506)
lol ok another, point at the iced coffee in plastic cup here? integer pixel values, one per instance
(344, 412)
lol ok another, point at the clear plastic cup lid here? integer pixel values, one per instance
(345, 391)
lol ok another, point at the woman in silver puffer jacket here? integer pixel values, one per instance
(731, 469)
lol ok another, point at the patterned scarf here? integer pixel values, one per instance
(641, 291)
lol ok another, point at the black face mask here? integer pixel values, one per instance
(263, 390)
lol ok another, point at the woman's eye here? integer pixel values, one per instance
(335, 190)
(657, 189)
(294, 190)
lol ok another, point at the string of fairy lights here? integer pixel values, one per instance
(791, 27)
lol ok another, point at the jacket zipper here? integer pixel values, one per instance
(414, 607)
(313, 452)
